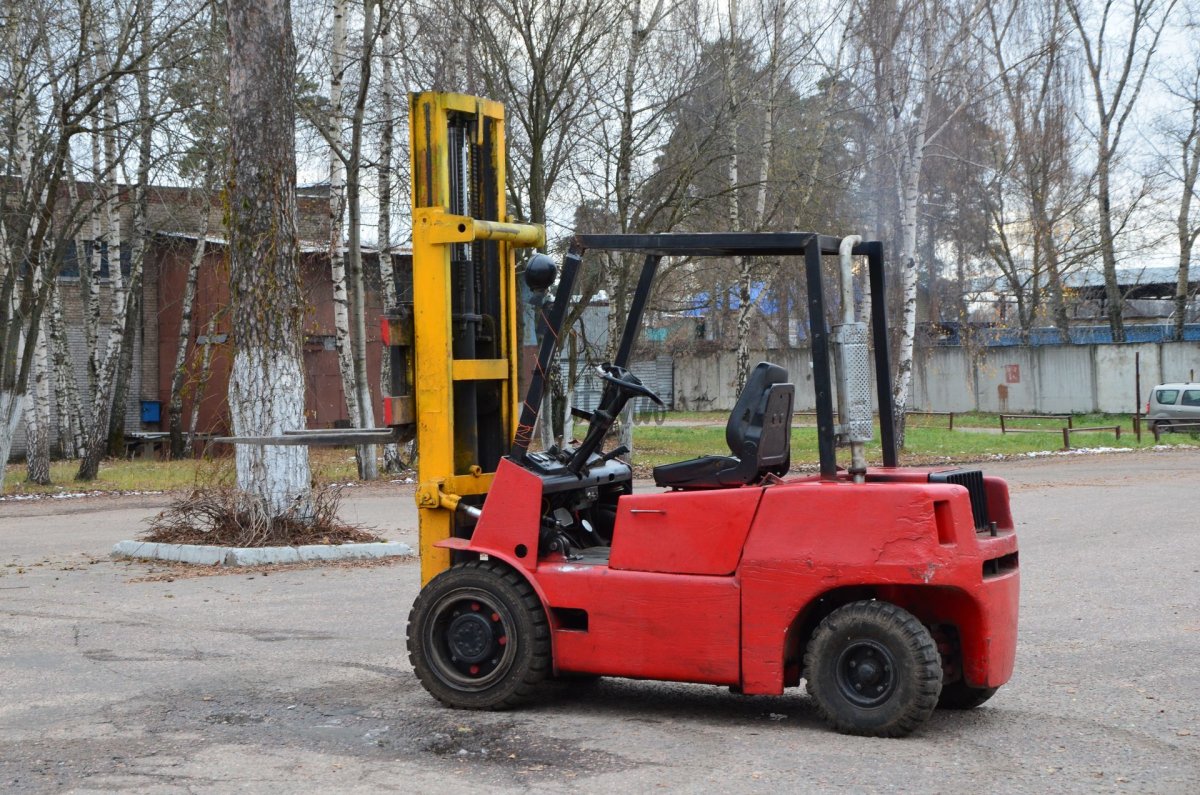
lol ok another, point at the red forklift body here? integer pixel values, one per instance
(714, 587)
(890, 591)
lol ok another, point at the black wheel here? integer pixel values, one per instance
(478, 637)
(873, 669)
(960, 695)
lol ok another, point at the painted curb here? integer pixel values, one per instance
(257, 556)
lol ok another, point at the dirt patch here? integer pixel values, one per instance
(169, 572)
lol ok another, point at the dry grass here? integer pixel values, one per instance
(151, 475)
(221, 515)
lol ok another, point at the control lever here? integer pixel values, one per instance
(611, 454)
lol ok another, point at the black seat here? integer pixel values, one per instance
(759, 435)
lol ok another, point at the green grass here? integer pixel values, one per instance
(928, 441)
(927, 438)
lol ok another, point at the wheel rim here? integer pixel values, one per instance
(469, 639)
(866, 673)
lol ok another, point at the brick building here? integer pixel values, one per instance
(177, 217)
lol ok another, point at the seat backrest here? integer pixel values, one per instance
(759, 428)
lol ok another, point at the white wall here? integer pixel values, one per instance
(1046, 379)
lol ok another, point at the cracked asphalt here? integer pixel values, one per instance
(124, 676)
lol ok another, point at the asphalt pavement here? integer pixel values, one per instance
(127, 676)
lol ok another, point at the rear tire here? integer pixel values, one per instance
(874, 670)
(960, 695)
(478, 637)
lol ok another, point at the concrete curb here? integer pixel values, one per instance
(257, 556)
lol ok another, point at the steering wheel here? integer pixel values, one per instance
(626, 381)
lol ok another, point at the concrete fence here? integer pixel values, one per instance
(1043, 379)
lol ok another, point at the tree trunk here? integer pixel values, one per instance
(70, 420)
(112, 382)
(1190, 161)
(368, 467)
(120, 398)
(914, 155)
(201, 384)
(11, 402)
(1112, 290)
(90, 279)
(107, 357)
(179, 373)
(37, 410)
(392, 463)
(266, 386)
(337, 213)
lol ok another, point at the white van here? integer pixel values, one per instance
(1174, 404)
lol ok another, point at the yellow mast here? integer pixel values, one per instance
(454, 349)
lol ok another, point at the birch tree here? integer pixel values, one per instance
(367, 465)
(47, 49)
(1118, 53)
(124, 290)
(266, 386)
(388, 12)
(200, 90)
(918, 76)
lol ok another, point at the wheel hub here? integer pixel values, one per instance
(470, 637)
(866, 673)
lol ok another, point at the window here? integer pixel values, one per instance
(1191, 397)
(72, 259)
(1166, 397)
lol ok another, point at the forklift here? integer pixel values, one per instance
(889, 591)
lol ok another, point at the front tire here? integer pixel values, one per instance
(873, 670)
(478, 637)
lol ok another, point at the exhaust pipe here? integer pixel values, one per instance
(853, 361)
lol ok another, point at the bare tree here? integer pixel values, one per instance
(266, 387)
(388, 12)
(533, 56)
(1036, 72)
(1182, 164)
(124, 290)
(1116, 68)
(49, 50)
(919, 78)
(367, 463)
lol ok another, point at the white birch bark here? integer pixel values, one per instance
(90, 280)
(266, 398)
(392, 463)
(201, 385)
(337, 213)
(179, 444)
(11, 404)
(910, 196)
(70, 425)
(368, 466)
(266, 386)
(37, 410)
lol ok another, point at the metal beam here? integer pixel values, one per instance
(822, 378)
(633, 323)
(717, 244)
(883, 368)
